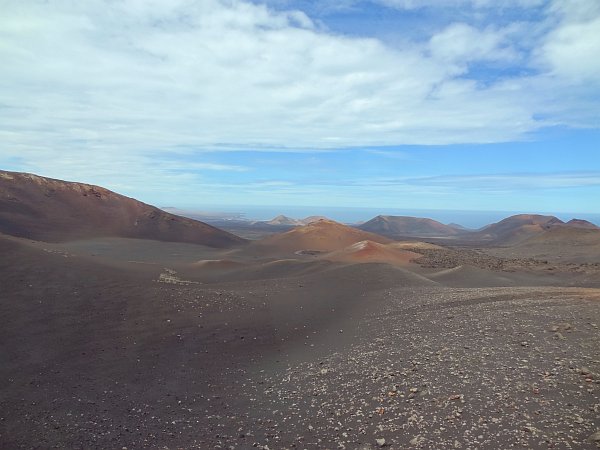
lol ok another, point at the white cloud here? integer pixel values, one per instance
(518, 191)
(571, 49)
(512, 182)
(111, 81)
(392, 154)
(498, 4)
(452, 184)
(326, 7)
(462, 43)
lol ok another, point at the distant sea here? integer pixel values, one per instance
(468, 219)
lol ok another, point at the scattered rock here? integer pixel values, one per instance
(595, 438)
(416, 440)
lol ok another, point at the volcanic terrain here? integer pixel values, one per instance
(403, 226)
(127, 327)
(53, 210)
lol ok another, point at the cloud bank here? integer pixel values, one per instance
(87, 87)
(159, 74)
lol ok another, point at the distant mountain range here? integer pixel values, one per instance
(521, 227)
(46, 209)
(409, 226)
(508, 231)
(285, 220)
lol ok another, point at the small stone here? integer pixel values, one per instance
(380, 442)
(595, 437)
(416, 440)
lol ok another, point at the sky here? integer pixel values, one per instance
(386, 104)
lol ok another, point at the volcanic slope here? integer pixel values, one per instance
(351, 356)
(563, 243)
(580, 223)
(52, 210)
(516, 228)
(395, 226)
(369, 251)
(285, 220)
(319, 236)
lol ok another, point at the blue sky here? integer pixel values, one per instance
(390, 104)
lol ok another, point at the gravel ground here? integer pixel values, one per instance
(445, 368)
(363, 356)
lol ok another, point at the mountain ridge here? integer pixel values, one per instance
(408, 226)
(54, 210)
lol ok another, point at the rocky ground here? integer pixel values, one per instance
(449, 258)
(362, 356)
(440, 368)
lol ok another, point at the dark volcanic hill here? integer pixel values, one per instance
(322, 235)
(580, 223)
(53, 210)
(283, 220)
(517, 228)
(458, 227)
(408, 226)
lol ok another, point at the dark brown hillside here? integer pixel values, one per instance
(322, 235)
(408, 226)
(53, 210)
(580, 223)
(517, 228)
